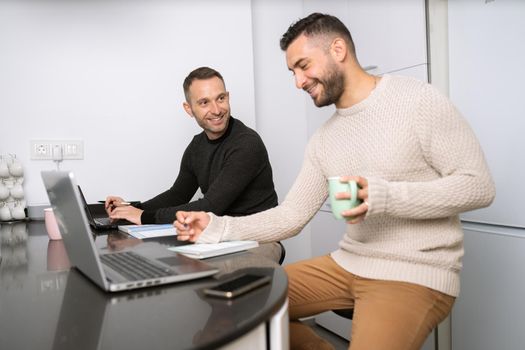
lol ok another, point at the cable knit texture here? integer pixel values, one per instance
(424, 166)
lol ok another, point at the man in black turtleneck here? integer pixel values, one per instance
(227, 161)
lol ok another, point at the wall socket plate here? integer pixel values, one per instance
(46, 149)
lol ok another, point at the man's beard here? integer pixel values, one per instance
(334, 86)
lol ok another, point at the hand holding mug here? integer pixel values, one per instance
(348, 197)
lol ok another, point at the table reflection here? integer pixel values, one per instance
(57, 258)
(228, 313)
(13, 254)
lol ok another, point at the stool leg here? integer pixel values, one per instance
(436, 339)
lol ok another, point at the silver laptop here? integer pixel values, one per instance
(148, 264)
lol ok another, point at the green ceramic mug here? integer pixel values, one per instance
(339, 205)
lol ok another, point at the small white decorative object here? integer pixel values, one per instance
(4, 192)
(5, 213)
(4, 169)
(12, 201)
(15, 168)
(17, 192)
(17, 212)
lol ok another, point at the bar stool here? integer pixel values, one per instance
(283, 253)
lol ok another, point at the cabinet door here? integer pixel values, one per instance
(486, 85)
(419, 72)
(489, 312)
(388, 34)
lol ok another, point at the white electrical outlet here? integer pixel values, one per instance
(43, 149)
(73, 149)
(40, 149)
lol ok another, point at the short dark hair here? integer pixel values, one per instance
(201, 73)
(317, 24)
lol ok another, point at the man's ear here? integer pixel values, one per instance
(187, 108)
(339, 49)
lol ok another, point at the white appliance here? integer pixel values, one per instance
(487, 70)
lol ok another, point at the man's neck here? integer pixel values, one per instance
(358, 86)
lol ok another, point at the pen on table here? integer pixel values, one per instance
(121, 203)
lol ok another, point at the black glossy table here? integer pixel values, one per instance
(45, 304)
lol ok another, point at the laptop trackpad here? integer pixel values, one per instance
(179, 262)
(172, 260)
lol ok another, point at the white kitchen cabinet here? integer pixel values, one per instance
(388, 34)
(486, 87)
(419, 72)
(489, 312)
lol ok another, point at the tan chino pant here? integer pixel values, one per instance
(387, 314)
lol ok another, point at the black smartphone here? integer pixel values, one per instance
(237, 286)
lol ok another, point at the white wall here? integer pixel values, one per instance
(280, 106)
(110, 73)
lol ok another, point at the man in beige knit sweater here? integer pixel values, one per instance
(418, 164)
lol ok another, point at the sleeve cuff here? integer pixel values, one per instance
(377, 196)
(213, 233)
(148, 217)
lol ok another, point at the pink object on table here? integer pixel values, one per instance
(51, 224)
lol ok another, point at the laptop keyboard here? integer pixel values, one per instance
(134, 266)
(102, 221)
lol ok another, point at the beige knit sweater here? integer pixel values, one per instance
(424, 166)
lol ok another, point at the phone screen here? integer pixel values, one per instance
(238, 285)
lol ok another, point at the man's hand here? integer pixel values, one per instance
(112, 202)
(126, 212)
(358, 213)
(190, 224)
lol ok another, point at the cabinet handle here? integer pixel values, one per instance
(367, 68)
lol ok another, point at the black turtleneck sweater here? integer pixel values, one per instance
(233, 173)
